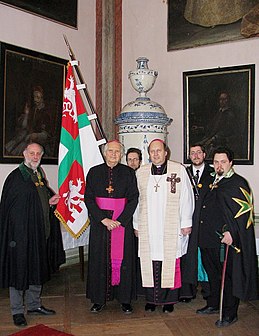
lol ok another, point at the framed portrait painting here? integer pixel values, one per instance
(31, 89)
(194, 23)
(60, 11)
(219, 111)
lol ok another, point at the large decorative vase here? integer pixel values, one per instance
(142, 120)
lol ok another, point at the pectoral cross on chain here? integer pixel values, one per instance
(173, 179)
(156, 186)
(110, 189)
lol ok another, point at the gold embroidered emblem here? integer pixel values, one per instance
(246, 206)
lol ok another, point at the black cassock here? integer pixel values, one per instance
(123, 184)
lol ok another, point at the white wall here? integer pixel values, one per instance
(145, 34)
(32, 32)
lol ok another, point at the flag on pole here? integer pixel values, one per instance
(78, 152)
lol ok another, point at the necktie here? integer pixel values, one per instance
(196, 177)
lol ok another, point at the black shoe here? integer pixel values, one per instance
(185, 300)
(150, 307)
(226, 321)
(41, 311)
(96, 308)
(126, 308)
(169, 308)
(208, 310)
(19, 320)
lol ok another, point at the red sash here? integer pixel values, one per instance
(117, 205)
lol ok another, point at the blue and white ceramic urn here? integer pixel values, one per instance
(142, 120)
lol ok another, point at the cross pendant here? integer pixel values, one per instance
(156, 186)
(173, 179)
(110, 189)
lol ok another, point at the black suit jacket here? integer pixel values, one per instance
(205, 174)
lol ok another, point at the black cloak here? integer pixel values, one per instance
(231, 193)
(99, 288)
(26, 257)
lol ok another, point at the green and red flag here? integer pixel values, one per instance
(78, 152)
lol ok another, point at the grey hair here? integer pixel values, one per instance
(105, 147)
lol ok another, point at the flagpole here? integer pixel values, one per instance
(98, 126)
(88, 98)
